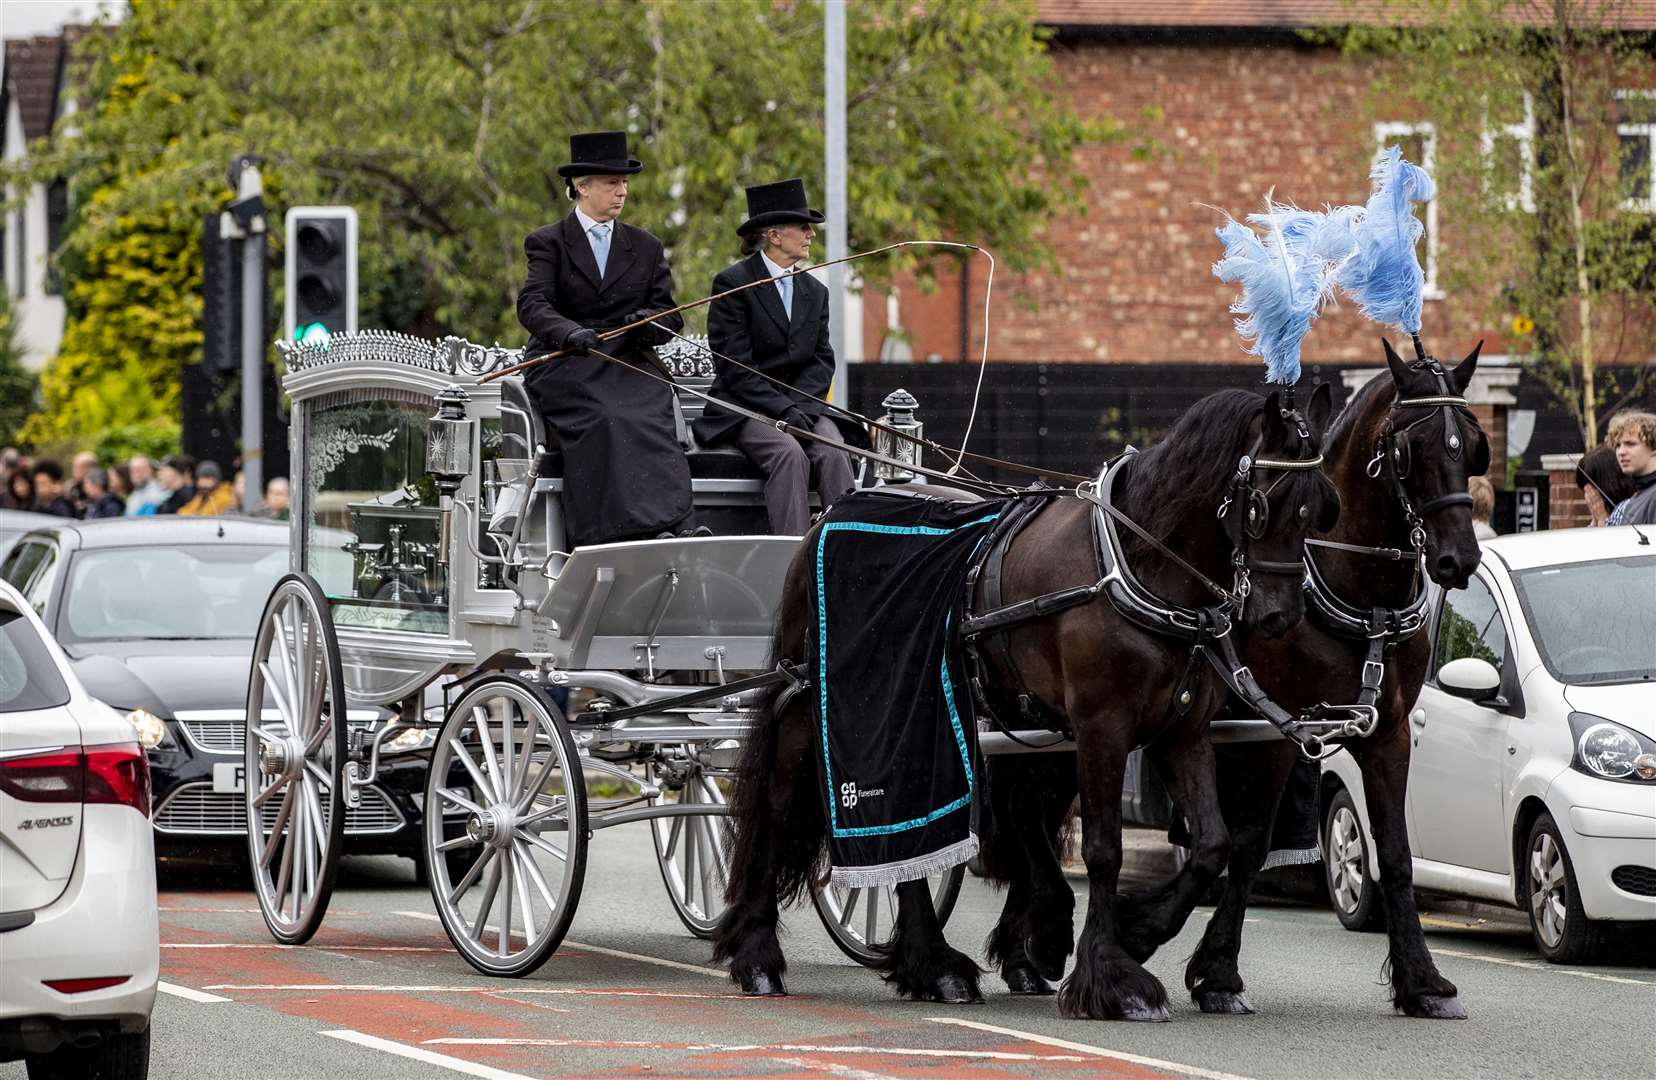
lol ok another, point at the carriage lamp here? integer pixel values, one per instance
(899, 407)
(449, 440)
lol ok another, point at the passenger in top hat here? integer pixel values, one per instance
(781, 330)
(625, 475)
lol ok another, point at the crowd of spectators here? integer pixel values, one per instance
(134, 488)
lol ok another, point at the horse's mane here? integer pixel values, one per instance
(1360, 405)
(1180, 481)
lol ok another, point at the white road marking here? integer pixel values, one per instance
(833, 1068)
(468, 1068)
(1096, 1051)
(187, 994)
(304, 948)
(1539, 965)
(431, 988)
(742, 1048)
(717, 973)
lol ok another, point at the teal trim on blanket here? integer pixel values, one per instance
(822, 671)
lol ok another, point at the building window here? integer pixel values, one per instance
(1419, 143)
(57, 213)
(1636, 131)
(1509, 156)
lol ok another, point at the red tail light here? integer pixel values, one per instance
(116, 773)
(81, 986)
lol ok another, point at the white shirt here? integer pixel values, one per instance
(777, 273)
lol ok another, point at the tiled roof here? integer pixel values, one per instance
(1271, 14)
(32, 78)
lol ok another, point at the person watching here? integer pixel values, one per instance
(782, 331)
(148, 492)
(1602, 484)
(1633, 437)
(49, 490)
(100, 501)
(20, 491)
(1483, 505)
(275, 501)
(212, 495)
(177, 475)
(625, 475)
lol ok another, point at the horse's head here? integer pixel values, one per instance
(1280, 495)
(1426, 448)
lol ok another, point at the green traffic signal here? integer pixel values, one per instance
(311, 333)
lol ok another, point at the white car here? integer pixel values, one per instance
(1532, 774)
(80, 950)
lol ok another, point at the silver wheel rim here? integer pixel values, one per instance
(1549, 890)
(691, 853)
(519, 851)
(290, 767)
(863, 919)
(1346, 869)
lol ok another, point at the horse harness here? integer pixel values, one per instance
(1205, 631)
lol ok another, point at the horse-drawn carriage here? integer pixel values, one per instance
(580, 690)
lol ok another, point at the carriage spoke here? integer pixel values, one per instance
(277, 695)
(319, 774)
(489, 889)
(484, 857)
(481, 719)
(283, 650)
(265, 734)
(848, 907)
(675, 832)
(542, 843)
(264, 795)
(522, 888)
(871, 919)
(503, 929)
(452, 796)
(483, 788)
(283, 813)
(528, 795)
(293, 853)
(536, 876)
(559, 805)
(508, 774)
(457, 842)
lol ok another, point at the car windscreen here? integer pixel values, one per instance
(29, 678)
(1594, 622)
(190, 592)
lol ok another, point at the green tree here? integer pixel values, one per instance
(1550, 221)
(443, 124)
(17, 383)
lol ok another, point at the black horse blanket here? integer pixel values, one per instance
(898, 743)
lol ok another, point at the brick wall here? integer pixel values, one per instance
(1566, 508)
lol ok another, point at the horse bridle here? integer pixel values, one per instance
(1391, 454)
(1245, 511)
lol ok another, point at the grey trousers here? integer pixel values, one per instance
(792, 468)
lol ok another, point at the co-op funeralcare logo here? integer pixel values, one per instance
(849, 793)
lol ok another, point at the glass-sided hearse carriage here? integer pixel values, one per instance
(582, 689)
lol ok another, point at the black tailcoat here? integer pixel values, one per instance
(753, 327)
(624, 471)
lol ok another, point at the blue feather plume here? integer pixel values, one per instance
(1286, 275)
(1383, 274)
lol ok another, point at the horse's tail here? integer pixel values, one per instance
(776, 777)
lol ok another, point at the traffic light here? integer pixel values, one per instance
(221, 294)
(321, 282)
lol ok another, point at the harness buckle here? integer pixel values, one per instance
(1378, 672)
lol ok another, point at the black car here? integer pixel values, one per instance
(158, 615)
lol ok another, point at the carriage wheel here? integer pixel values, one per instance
(505, 760)
(294, 794)
(690, 851)
(861, 921)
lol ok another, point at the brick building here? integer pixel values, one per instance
(1246, 106)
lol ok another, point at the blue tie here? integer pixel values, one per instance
(600, 246)
(785, 283)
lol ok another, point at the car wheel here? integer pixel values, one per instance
(114, 1057)
(1562, 931)
(1351, 889)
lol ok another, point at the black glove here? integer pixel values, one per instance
(799, 419)
(649, 333)
(581, 342)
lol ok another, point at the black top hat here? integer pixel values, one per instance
(599, 153)
(780, 203)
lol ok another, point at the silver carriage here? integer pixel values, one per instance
(579, 689)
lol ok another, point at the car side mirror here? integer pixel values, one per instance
(1469, 678)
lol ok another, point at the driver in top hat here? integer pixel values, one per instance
(625, 474)
(781, 330)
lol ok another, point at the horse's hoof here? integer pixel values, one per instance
(954, 990)
(757, 982)
(1136, 1009)
(1049, 972)
(1434, 1007)
(1022, 980)
(1223, 1001)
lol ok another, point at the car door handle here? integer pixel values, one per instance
(1418, 718)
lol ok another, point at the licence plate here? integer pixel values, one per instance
(229, 777)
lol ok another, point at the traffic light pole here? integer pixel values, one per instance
(248, 212)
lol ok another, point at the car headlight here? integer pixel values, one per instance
(410, 739)
(151, 729)
(1605, 749)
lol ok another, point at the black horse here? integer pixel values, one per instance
(1117, 685)
(1399, 455)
